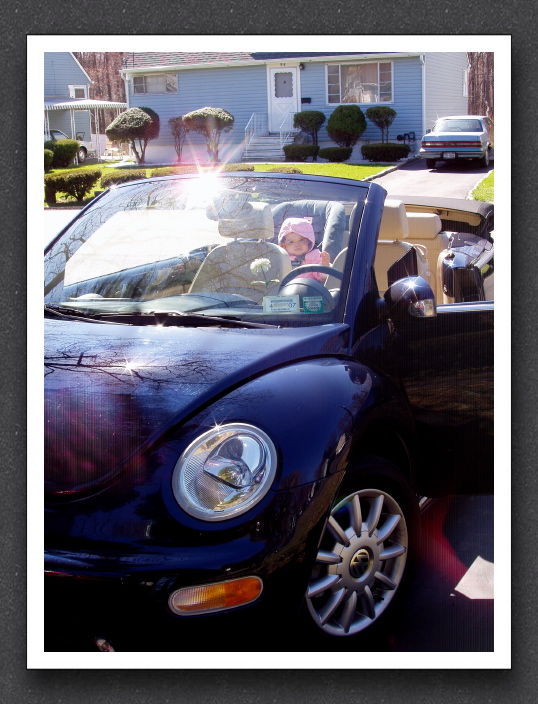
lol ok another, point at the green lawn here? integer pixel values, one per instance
(353, 171)
(484, 190)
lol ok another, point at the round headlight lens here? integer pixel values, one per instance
(224, 472)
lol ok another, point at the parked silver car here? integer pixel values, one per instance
(458, 137)
(84, 147)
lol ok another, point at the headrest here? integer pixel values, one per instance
(239, 218)
(424, 226)
(393, 221)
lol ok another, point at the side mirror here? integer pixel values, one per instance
(411, 295)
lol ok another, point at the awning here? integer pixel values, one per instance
(82, 104)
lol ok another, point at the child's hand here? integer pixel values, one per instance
(325, 258)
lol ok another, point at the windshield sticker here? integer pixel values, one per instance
(313, 304)
(281, 304)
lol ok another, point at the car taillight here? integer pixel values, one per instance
(451, 145)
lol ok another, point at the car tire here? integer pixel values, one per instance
(81, 155)
(430, 163)
(367, 553)
(484, 161)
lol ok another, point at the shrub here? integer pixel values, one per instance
(179, 132)
(49, 154)
(122, 177)
(346, 124)
(285, 169)
(211, 123)
(310, 121)
(78, 184)
(383, 117)
(300, 152)
(64, 151)
(136, 127)
(238, 167)
(336, 153)
(387, 151)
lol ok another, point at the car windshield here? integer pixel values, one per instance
(209, 246)
(459, 125)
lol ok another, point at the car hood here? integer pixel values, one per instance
(112, 390)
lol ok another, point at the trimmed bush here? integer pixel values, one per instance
(386, 151)
(49, 154)
(238, 167)
(346, 124)
(336, 153)
(124, 176)
(309, 121)
(300, 152)
(76, 184)
(135, 127)
(285, 170)
(64, 151)
(382, 116)
(212, 123)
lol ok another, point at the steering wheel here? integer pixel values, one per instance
(307, 268)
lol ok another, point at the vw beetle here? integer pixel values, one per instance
(233, 448)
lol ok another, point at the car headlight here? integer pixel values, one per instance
(224, 472)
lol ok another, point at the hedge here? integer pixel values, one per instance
(388, 151)
(122, 177)
(64, 150)
(49, 154)
(336, 153)
(76, 184)
(300, 152)
(285, 170)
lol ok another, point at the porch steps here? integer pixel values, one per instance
(265, 148)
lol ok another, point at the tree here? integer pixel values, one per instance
(211, 123)
(136, 127)
(310, 121)
(179, 132)
(346, 124)
(382, 116)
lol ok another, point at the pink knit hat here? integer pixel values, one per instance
(301, 226)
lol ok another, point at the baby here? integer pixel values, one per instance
(297, 237)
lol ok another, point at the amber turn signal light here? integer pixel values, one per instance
(220, 596)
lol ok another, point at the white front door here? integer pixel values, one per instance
(283, 94)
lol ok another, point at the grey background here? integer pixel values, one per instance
(18, 19)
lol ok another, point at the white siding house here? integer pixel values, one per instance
(266, 89)
(65, 80)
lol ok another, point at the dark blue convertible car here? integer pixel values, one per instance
(234, 446)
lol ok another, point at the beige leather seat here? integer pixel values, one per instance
(394, 229)
(227, 268)
(425, 229)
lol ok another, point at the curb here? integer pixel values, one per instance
(390, 169)
(469, 195)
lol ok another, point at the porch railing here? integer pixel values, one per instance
(255, 126)
(286, 128)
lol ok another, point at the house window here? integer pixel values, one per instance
(157, 83)
(78, 92)
(359, 83)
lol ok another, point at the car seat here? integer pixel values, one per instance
(328, 221)
(227, 268)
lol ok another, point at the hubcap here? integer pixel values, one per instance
(360, 563)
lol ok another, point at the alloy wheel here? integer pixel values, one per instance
(360, 563)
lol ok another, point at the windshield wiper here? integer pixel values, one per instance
(67, 313)
(164, 318)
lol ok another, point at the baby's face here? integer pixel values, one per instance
(295, 244)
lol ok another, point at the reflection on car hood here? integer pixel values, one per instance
(109, 389)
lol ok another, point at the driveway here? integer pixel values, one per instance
(448, 179)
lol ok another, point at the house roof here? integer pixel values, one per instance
(152, 59)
